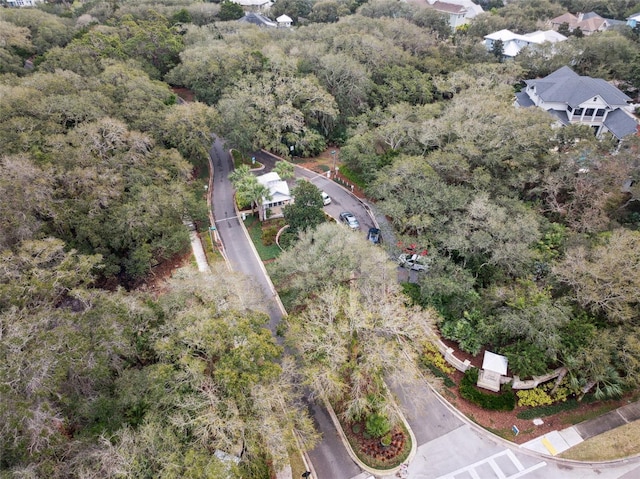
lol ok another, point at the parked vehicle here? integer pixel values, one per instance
(326, 199)
(350, 220)
(413, 262)
(374, 236)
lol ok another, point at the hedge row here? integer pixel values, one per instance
(437, 372)
(504, 402)
(542, 411)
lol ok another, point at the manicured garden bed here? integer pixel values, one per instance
(371, 451)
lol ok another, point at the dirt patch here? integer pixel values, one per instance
(322, 163)
(184, 93)
(155, 282)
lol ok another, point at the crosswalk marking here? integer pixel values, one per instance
(515, 460)
(471, 469)
(496, 469)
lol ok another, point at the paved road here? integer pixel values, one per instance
(238, 248)
(330, 459)
(449, 446)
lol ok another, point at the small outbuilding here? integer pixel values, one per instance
(284, 21)
(494, 366)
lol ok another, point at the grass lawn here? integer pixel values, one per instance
(578, 417)
(297, 465)
(255, 232)
(240, 159)
(620, 442)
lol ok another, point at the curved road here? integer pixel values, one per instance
(449, 445)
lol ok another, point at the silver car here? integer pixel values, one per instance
(350, 220)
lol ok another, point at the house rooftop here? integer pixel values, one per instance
(253, 3)
(568, 18)
(620, 124)
(448, 7)
(495, 362)
(277, 187)
(257, 19)
(566, 86)
(524, 100)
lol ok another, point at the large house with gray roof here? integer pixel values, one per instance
(572, 98)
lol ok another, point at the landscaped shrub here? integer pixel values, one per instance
(269, 234)
(439, 374)
(542, 411)
(503, 402)
(377, 425)
(534, 397)
(431, 355)
(464, 331)
(542, 395)
(435, 362)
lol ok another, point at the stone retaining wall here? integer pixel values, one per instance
(462, 366)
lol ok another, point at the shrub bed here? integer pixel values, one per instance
(542, 411)
(505, 401)
(372, 452)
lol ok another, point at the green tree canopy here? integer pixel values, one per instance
(306, 211)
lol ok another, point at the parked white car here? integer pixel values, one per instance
(326, 199)
(415, 262)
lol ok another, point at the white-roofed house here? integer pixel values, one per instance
(254, 5)
(284, 21)
(280, 196)
(513, 43)
(459, 12)
(634, 20)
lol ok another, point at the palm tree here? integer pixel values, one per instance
(257, 192)
(284, 169)
(240, 174)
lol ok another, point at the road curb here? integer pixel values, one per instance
(212, 219)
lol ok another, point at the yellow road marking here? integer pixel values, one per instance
(546, 443)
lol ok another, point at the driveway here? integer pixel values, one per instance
(341, 198)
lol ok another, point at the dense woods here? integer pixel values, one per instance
(532, 238)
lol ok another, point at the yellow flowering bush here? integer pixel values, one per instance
(534, 397)
(432, 356)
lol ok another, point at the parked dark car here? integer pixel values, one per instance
(374, 236)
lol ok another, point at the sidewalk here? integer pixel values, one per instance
(198, 252)
(555, 442)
